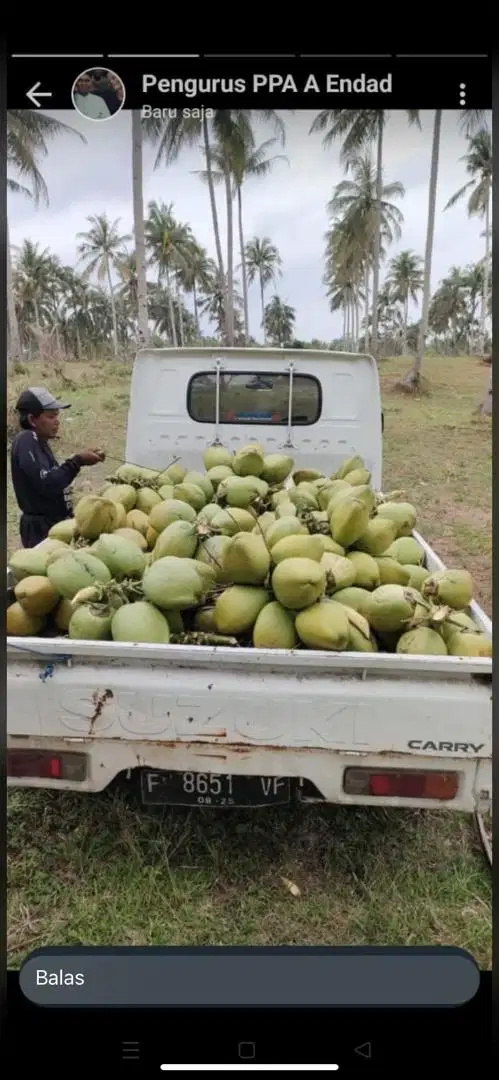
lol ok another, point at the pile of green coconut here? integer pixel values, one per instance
(250, 552)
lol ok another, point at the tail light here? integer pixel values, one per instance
(401, 783)
(46, 765)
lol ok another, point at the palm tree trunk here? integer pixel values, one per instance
(195, 305)
(366, 286)
(345, 308)
(377, 234)
(243, 263)
(14, 355)
(412, 379)
(180, 310)
(171, 310)
(138, 228)
(230, 259)
(485, 291)
(113, 307)
(262, 300)
(213, 201)
(404, 327)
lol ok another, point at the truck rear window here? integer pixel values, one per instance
(254, 397)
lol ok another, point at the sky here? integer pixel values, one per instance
(288, 206)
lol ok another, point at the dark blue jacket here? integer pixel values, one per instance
(39, 481)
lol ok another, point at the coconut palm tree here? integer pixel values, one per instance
(138, 228)
(359, 128)
(479, 190)
(355, 203)
(247, 161)
(195, 277)
(28, 133)
(100, 249)
(170, 243)
(405, 280)
(263, 262)
(179, 132)
(280, 319)
(470, 120)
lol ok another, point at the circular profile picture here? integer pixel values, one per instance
(98, 94)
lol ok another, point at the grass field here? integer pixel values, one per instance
(101, 870)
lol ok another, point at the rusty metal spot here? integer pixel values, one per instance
(99, 700)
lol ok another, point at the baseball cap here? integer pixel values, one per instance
(36, 399)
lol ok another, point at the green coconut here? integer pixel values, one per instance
(166, 492)
(355, 462)
(298, 547)
(96, 515)
(147, 498)
(380, 533)
(246, 560)
(90, 622)
(348, 521)
(180, 538)
(354, 597)
(204, 619)
(134, 536)
(140, 621)
(332, 546)
(453, 588)
(367, 575)
(360, 637)
(466, 643)
(219, 473)
(233, 520)
(36, 595)
(63, 614)
(459, 620)
(164, 513)
(173, 474)
(248, 461)
(276, 468)
(173, 583)
(191, 494)
(264, 521)
(200, 480)
(211, 551)
(304, 475)
(417, 575)
(29, 561)
(286, 526)
(297, 583)
(206, 515)
(406, 550)
(19, 624)
(392, 572)
(217, 456)
(63, 530)
(122, 557)
(241, 490)
(122, 493)
(77, 570)
(274, 628)
(323, 626)
(136, 519)
(402, 514)
(422, 641)
(286, 508)
(391, 607)
(238, 607)
(357, 477)
(340, 573)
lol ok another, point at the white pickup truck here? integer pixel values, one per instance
(222, 726)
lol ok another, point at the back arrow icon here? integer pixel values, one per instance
(35, 93)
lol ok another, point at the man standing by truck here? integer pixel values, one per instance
(39, 481)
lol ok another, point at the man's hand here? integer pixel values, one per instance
(91, 457)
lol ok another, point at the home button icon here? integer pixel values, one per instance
(246, 1051)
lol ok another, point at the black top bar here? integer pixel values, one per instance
(283, 82)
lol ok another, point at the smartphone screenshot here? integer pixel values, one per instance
(249, 561)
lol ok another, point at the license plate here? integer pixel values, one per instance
(213, 789)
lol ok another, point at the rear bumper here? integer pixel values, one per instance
(324, 768)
